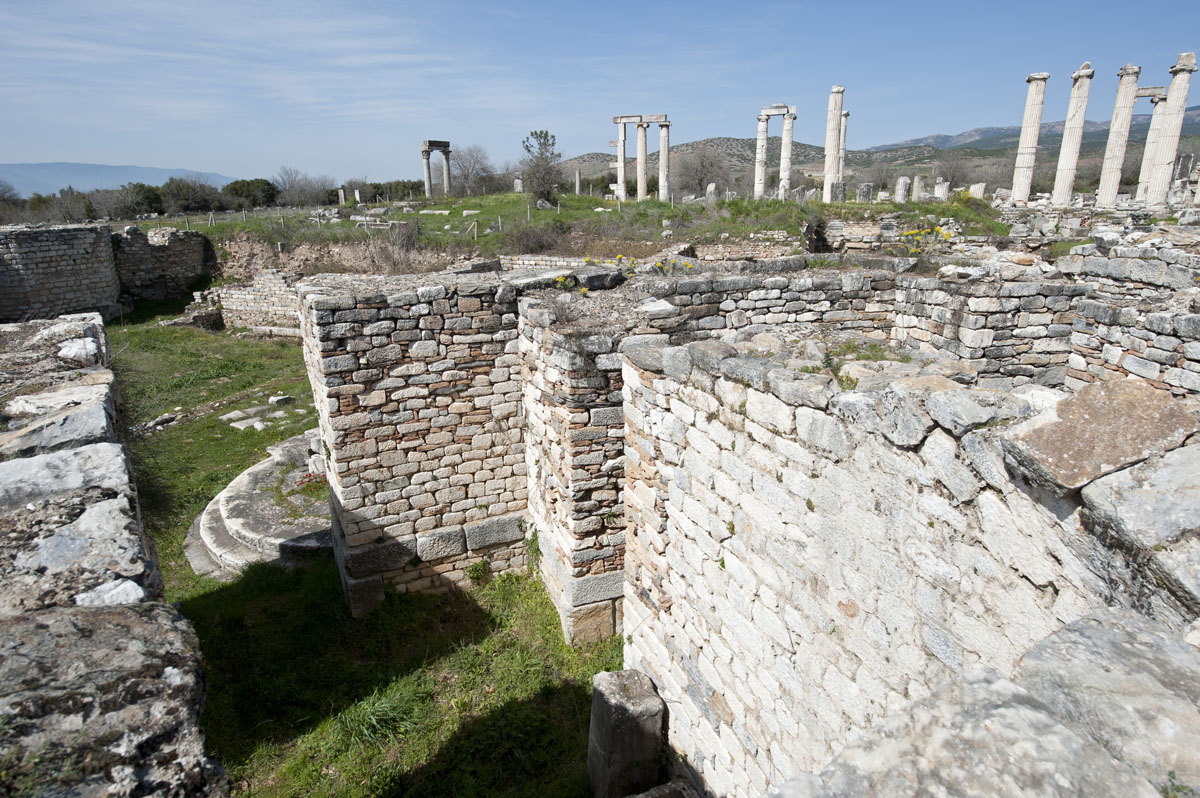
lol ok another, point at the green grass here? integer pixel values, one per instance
(469, 693)
(1060, 249)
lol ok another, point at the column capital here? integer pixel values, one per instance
(1128, 70)
(790, 117)
(763, 118)
(1158, 98)
(1186, 63)
(664, 123)
(845, 114)
(1084, 71)
(837, 90)
(425, 154)
(1037, 76)
(643, 125)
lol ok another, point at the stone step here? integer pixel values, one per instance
(260, 517)
(253, 516)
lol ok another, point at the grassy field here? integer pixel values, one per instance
(468, 694)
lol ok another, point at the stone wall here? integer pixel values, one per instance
(101, 683)
(509, 262)
(418, 390)
(162, 264)
(267, 304)
(48, 271)
(801, 561)
(574, 441)
(1115, 339)
(1017, 331)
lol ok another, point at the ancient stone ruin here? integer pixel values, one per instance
(427, 147)
(643, 121)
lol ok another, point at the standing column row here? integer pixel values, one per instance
(788, 112)
(642, 121)
(427, 147)
(1172, 126)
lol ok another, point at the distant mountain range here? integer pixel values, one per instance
(998, 138)
(47, 178)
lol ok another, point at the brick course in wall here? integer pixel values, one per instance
(48, 271)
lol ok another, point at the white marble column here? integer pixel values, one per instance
(1118, 136)
(1152, 137)
(578, 182)
(446, 172)
(918, 188)
(833, 136)
(841, 169)
(785, 156)
(664, 161)
(620, 192)
(1068, 154)
(1172, 126)
(760, 157)
(1031, 126)
(641, 160)
(428, 175)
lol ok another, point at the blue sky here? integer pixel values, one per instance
(350, 89)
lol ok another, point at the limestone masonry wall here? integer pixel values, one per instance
(418, 393)
(267, 303)
(101, 683)
(48, 271)
(1112, 340)
(801, 562)
(162, 264)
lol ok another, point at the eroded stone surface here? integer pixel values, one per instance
(1102, 428)
(104, 701)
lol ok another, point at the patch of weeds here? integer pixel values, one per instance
(730, 528)
(478, 572)
(809, 504)
(721, 562)
(533, 551)
(846, 382)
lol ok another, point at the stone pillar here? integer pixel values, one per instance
(841, 172)
(578, 182)
(664, 161)
(1068, 154)
(833, 136)
(918, 187)
(1152, 136)
(785, 156)
(620, 190)
(1031, 126)
(1172, 126)
(1118, 136)
(446, 172)
(641, 160)
(902, 184)
(428, 176)
(760, 158)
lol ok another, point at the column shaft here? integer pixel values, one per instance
(428, 176)
(785, 156)
(760, 157)
(1152, 137)
(1031, 126)
(841, 171)
(641, 160)
(833, 136)
(664, 161)
(621, 161)
(446, 172)
(1118, 137)
(1068, 154)
(1172, 126)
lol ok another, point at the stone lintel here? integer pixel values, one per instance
(1151, 91)
(621, 120)
(430, 144)
(614, 142)
(654, 118)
